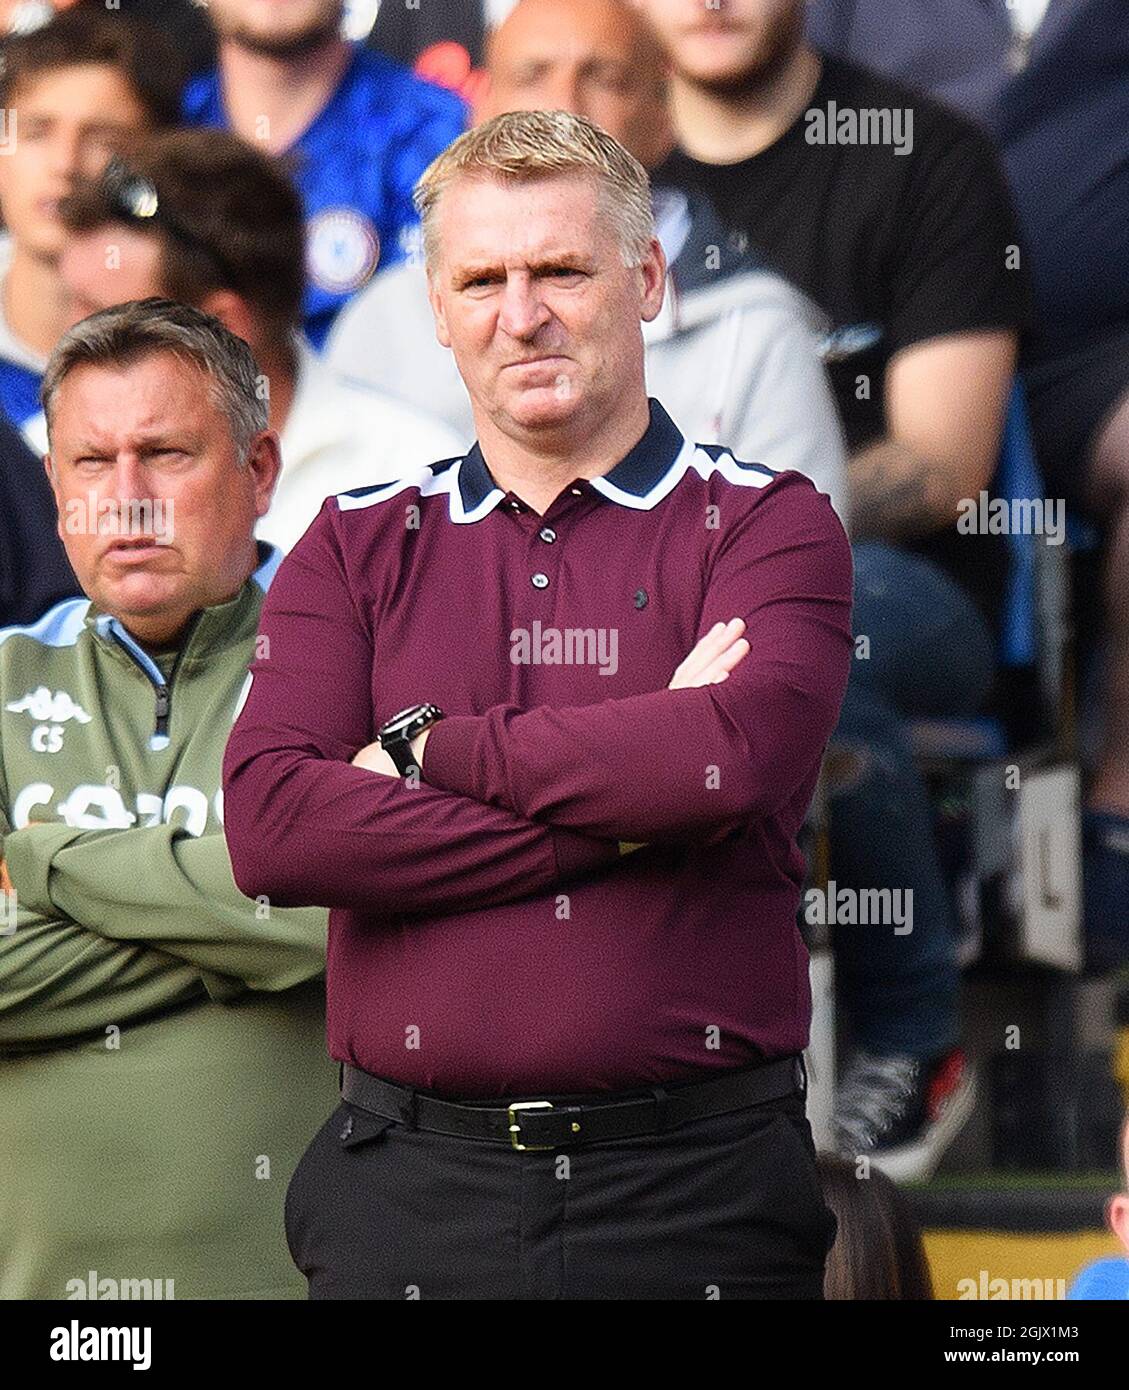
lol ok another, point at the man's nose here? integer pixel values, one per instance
(129, 483)
(564, 91)
(523, 313)
(66, 154)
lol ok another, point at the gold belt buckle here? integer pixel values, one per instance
(515, 1128)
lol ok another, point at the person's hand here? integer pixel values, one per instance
(713, 657)
(6, 884)
(373, 757)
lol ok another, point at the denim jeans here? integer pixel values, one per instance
(931, 653)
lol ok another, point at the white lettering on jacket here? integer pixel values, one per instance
(96, 806)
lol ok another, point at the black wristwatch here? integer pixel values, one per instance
(396, 734)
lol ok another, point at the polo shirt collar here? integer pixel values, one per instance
(639, 480)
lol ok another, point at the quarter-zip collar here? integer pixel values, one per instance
(210, 631)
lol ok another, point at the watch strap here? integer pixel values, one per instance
(400, 751)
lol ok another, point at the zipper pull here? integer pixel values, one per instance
(160, 736)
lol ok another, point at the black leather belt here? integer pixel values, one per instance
(568, 1120)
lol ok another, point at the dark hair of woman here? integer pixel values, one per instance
(878, 1251)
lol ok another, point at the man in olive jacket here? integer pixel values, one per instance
(162, 1056)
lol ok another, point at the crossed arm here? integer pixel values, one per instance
(515, 800)
(60, 981)
(711, 660)
(113, 925)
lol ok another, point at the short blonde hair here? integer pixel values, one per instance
(521, 145)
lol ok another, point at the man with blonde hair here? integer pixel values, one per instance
(565, 981)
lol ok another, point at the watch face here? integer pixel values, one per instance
(415, 717)
(399, 722)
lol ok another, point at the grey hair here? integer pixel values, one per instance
(127, 332)
(536, 144)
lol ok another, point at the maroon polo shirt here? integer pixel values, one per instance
(486, 936)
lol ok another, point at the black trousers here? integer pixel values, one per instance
(725, 1207)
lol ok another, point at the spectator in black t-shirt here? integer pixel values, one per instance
(1051, 83)
(891, 214)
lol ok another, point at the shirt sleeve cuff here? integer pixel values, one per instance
(29, 854)
(447, 754)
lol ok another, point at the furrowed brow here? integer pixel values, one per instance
(464, 274)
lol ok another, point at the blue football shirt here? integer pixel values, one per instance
(19, 391)
(355, 166)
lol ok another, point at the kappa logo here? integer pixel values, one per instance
(50, 712)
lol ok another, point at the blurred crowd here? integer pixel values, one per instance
(897, 231)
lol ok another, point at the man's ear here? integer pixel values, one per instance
(436, 300)
(264, 461)
(652, 271)
(1117, 1214)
